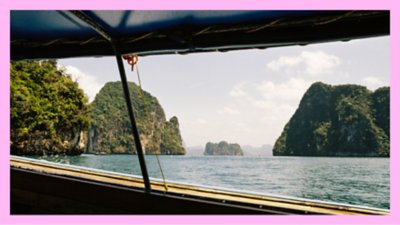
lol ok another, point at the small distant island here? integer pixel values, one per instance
(223, 148)
(342, 120)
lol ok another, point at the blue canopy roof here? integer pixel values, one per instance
(58, 34)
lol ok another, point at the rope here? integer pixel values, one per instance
(133, 60)
(265, 26)
(335, 19)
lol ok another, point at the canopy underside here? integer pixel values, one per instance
(60, 34)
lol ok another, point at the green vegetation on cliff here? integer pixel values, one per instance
(48, 111)
(343, 120)
(110, 131)
(223, 148)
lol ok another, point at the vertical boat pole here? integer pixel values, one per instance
(135, 131)
(106, 35)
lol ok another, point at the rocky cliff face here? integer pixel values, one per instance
(48, 110)
(344, 120)
(223, 148)
(110, 130)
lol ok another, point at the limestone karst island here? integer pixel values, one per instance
(342, 120)
(51, 115)
(223, 148)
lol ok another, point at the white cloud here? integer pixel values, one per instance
(319, 62)
(238, 91)
(284, 61)
(313, 63)
(373, 82)
(229, 111)
(268, 94)
(266, 107)
(276, 102)
(291, 90)
(87, 82)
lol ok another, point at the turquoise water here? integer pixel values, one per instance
(357, 181)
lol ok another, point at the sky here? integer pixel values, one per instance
(244, 96)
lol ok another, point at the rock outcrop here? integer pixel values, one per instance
(48, 110)
(110, 131)
(223, 148)
(343, 120)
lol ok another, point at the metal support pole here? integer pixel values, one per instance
(89, 21)
(135, 131)
(100, 30)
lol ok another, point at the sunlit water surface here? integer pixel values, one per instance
(358, 181)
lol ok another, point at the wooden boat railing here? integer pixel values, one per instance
(253, 202)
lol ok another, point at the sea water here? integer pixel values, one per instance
(356, 181)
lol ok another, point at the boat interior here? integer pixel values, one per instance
(39, 187)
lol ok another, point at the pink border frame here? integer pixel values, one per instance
(7, 5)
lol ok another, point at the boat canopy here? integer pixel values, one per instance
(62, 34)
